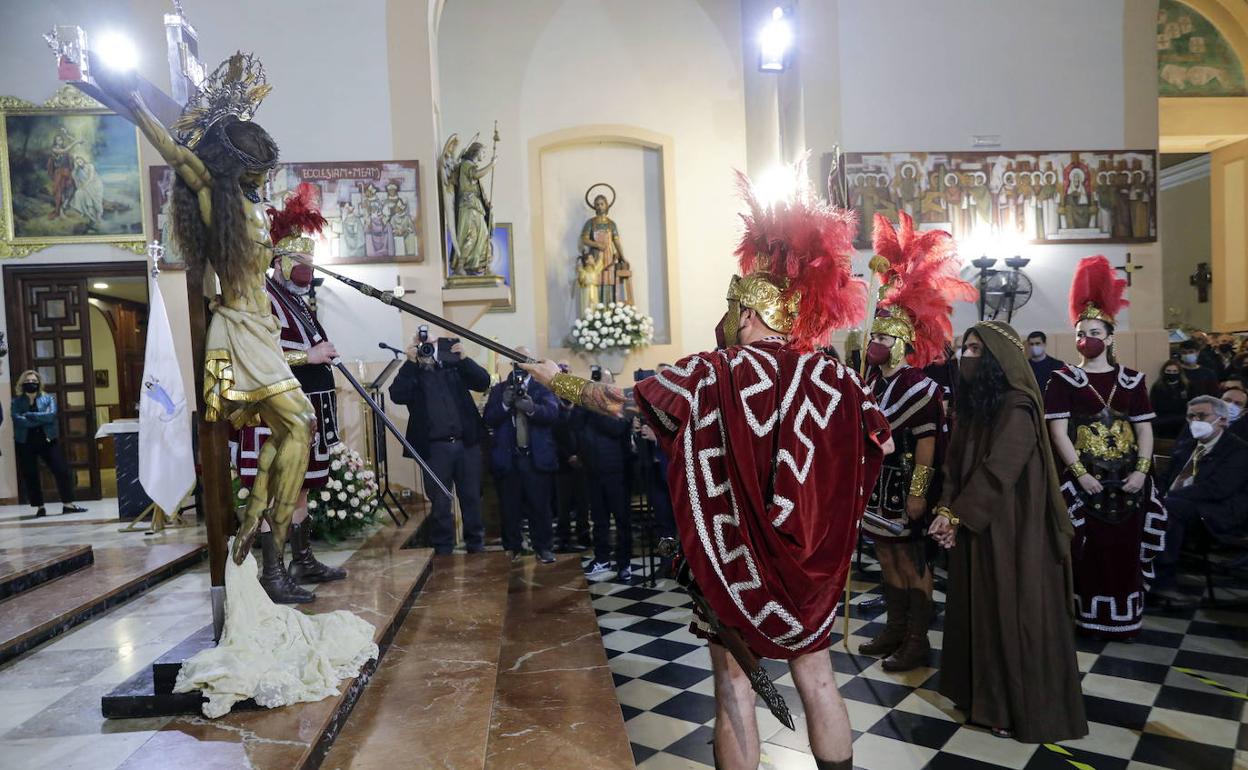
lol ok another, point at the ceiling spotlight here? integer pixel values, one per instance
(775, 42)
(116, 52)
(99, 285)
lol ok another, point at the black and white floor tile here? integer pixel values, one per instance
(1173, 699)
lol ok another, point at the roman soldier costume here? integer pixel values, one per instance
(774, 447)
(1117, 533)
(300, 331)
(916, 296)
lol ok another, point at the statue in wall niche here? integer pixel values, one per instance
(469, 218)
(601, 255)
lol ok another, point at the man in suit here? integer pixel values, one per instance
(1236, 399)
(445, 427)
(522, 413)
(1207, 484)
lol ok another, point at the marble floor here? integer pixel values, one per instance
(50, 697)
(1173, 699)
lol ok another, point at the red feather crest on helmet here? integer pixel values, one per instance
(1097, 291)
(922, 280)
(298, 215)
(804, 247)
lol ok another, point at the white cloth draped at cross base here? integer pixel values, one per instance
(274, 654)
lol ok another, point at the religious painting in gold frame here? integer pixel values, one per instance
(69, 174)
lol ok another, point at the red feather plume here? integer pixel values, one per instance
(805, 244)
(298, 216)
(922, 280)
(1097, 283)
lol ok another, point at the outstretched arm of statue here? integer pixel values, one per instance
(483, 170)
(189, 167)
(594, 396)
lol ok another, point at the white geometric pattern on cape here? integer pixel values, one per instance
(272, 653)
(703, 473)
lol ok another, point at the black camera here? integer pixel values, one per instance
(426, 348)
(595, 373)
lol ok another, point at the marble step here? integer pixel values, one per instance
(384, 580)
(117, 575)
(26, 568)
(499, 666)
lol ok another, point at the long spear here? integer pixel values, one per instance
(493, 168)
(419, 312)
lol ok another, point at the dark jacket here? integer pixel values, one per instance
(567, 443)
(41, 415)
(1220, 491)
(541, 428)
(603, 441)
(1044, 369)
(408, 388)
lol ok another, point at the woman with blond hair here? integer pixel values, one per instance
(35, 434)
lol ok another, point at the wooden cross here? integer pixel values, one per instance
(1201, 280)
(1129, 268)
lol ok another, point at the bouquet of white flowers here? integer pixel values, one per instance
(613, 325)
(347, 504)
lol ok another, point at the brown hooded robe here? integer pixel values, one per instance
(1008, 656)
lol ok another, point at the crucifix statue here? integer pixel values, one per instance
(1129, 268)
(221, 158)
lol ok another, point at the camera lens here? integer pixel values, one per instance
(425, 350)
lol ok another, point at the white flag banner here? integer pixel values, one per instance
(166, 459)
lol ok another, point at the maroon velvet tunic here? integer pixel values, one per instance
(317, 381)
(911, 402)
(773, 454)
(1112, 561)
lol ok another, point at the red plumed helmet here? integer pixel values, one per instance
(1097, 292)
(298, 216)
(802, 249)
(919, 287)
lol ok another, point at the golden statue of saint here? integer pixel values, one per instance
(600, 246)
(222, 160)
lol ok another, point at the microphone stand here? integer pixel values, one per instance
(337, 363)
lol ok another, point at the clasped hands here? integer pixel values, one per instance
(1133, 484)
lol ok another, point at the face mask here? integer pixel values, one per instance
(967, 367)
(1037, 351)
(299, 290)
(1233, 411)
(1200, 429)
(30, 387)
(1189, 358)
(1090, 347)
(1172, 378)
(878, 353)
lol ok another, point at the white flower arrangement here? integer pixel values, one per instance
(612, 325)
(347, 504)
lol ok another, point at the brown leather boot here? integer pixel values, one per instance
(274, 578)
(304, 567)
(896, 601)
(916, 650)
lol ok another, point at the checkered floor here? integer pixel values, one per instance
(1172, 699)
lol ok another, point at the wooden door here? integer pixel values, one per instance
(50, 332)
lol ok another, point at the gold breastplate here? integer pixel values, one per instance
(1105, 438)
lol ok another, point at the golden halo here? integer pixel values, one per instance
(589, 202)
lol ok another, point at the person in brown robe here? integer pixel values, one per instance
(1008, 659)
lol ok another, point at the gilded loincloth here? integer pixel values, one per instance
(243, 364)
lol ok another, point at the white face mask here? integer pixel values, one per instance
(1189, 358)
(1200, 429)
(1037, 351)
(1233, 411)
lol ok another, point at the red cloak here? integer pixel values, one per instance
(773, 454)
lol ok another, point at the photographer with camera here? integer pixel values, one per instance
(522, 413)
(444, 426)
(605, 452)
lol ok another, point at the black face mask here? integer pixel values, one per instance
(1172, 378)
(30, 387)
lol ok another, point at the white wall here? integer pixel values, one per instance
(668, 66)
